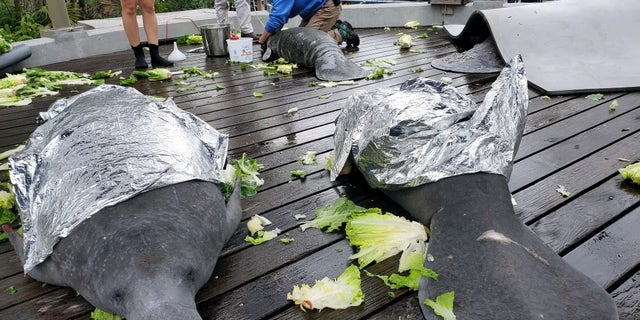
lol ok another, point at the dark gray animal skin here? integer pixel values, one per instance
(145, 258)
(314, 49)
(517, 279)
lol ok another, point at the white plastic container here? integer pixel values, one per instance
(240, 50)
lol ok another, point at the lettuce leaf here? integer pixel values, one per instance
(248, 169)
(341, 293)
(412, 280)
(380, 236)
(443, 306)
(309, 158)
(263, 236)
(99, 314)
(631, 172)
(332, 216)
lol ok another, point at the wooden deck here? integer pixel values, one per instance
(569, 140)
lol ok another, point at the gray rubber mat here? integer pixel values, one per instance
(482, 58)
(568, 46)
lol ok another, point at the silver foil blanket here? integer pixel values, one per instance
(425, 131)
(102, 147)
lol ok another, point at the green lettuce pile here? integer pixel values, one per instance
(377, 236)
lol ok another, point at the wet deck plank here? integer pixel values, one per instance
(569, 140)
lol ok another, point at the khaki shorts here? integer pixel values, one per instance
(324, 20)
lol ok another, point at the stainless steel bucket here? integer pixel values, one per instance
(214, 39)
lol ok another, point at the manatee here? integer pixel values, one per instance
(447, 163)
(496, 266)
(119, 198)
(314, 49)
(146, 257)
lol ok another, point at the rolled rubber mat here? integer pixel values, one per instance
(568, 46)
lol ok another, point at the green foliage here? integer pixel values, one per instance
(175, 5)
(23, 20)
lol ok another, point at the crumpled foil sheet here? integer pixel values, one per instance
(100, 148)
(426, 130)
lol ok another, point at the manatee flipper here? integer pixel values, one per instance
(234, 208)
(43, 272)
(16, 241)
(497, 267)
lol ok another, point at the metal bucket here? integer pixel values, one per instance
(214, 38)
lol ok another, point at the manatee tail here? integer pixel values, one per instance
(337, 67)
(496, 266)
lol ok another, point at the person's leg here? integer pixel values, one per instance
(326, 19)
(222, 10)
(131, 29)
(243, 9)
(150, 22)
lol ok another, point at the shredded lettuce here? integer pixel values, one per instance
(257, 223)
(380, 236)
(278, 66)
(309, 158)
(195, 70)
(613, 105)
(332, 216)
(248, 169)
(104, 75)
(8, 207)
(99, 314)
(263, 236)
(299, 173)
(157, 74)
(19, 89)
(331, 84)
(405, 41)
(341, 293)
(447, 80)
(189, 39)
(443, 306)
(12, 80)
(563, 191)
(631, 172)
(412, 280)
(378, 74)
(287, 239)
(11, 290)
(329, 163)
(595, 96)
(414, 24)
(379, 63)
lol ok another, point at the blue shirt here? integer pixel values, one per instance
(282, 10)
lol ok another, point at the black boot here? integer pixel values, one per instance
(140, 62)
(156, 59)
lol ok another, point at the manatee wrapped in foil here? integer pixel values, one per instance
(425, 130)
(102, 147)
